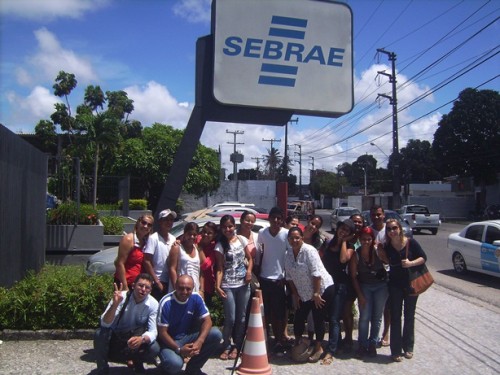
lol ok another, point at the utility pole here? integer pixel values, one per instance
(272, 141)
(311, 178)
(296, 121)
(396, 186)
(234, 157)
(300, 169)
(257, 159)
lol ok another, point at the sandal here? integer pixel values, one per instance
(233, 354)
(224, 355)
(315, 356)
(397, 358)
(385, 343)
(327, 359)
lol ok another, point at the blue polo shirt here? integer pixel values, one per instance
(181, 318)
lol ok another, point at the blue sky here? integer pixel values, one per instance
(147, 48)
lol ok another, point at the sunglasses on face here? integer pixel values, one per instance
(146, 224)
(389, 229)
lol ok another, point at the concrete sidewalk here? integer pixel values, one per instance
(454, 335)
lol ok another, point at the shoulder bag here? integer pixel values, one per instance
(419, 277)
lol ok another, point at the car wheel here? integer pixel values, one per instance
(434, 231)
(459, 263)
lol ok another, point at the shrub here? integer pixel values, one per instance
(67, 213)
(59, 297)
(112, 225)
(134, 204)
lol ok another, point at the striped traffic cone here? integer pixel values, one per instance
(254, 358)
(258, 294)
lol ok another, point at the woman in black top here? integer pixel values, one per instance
(394, 252)
(336, 256)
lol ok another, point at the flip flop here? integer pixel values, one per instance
(224, 355)
(327, 359)
(385, 343)
(233, 354)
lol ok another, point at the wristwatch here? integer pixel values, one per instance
(178, 351)
(316, 294)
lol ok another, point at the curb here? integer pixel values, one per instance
(47, 334)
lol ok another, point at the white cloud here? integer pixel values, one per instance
(47, 10)
(154, 103)
(51, 58)
(194, 11)
(23, 77)
(38, 105)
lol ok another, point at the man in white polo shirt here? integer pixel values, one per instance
(156, 253)
(272, 245)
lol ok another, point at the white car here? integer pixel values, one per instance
(476, 248)
(104, 260)
(233, 204)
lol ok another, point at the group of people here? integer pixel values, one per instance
(164, 288)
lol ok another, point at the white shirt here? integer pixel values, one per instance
(302, 270)
(272, 250)
(160, 249)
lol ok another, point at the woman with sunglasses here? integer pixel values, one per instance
(128, 263)
(401, 253)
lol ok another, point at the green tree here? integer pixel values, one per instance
(329, 183)
(151, 157)
(417, 163)
(467, 141)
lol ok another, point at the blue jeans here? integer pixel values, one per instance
(235, 309)
(406, 339)
(172, 363)
(101, 349)
(335, 312)
(370, 316)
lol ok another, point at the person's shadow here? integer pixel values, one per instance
(115, 368)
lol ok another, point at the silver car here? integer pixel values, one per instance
(104, 261)
(341, 214)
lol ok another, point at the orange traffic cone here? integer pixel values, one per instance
(254, 358)
(258, 294)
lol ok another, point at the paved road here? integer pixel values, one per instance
(454, 335)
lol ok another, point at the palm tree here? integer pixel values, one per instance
(271, 163)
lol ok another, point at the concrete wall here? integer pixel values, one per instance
(260, 192)
(22, 207)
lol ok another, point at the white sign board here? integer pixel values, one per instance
(284, 54)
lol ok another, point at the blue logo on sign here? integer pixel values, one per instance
(289, 49)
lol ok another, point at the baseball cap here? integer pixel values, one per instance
(348, 223)
(163, 214)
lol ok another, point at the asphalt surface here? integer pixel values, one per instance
(454, 335)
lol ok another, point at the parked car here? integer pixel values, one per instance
(419, 217)
(233, 204)
(476, 248)
(389, 214)
(341, 214)
(104, 261)
(492, 212)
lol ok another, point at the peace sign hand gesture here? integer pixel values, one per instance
(117, 294)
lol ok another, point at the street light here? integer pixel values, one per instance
(382, 151)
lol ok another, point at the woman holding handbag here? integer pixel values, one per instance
(401, 253)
